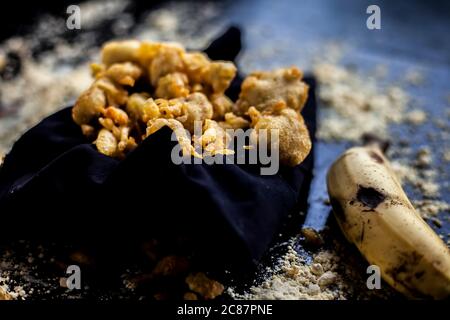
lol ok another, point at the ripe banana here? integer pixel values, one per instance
(375, 214)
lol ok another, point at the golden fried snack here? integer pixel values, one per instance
(142, 108)
(121, 51)
(167, 60)
(171, 266)
(87, 130)
(4, 295)
(195, 63)
(90, 105)
(232, 121)
(115, 94)
(195, 107)
(263, 90)
(188, 296)
(106, 143)
(135, 106)
(177, 127)
(170, 109)
(186, 91)
(221, 105)
(124, 73)
(116, 122)
(214, 140)
(204, 286)
(109, 125)
(219, 75)
(172, 85)
(118, 116)
(293, 138)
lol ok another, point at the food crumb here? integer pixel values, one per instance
(317, 269)
(416, 117)
(4, 295)
(204, 286)
(356, 105)
(447, 155)
(190, 296)
(296, 279)
(430, 208)
(424, 157)
(414, 77)
(327, 279)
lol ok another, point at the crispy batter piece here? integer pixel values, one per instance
(214, 140)
(6, 296)
(115, 94)
(167, 60)
(186, 91)
(90, 105)
(106, 142)
(204, 286)
(263, 90)
(218, 75)
(221, 105)
(172, 85)
(195, 108)
(120, 51)
(125, 73)
(293, 138)
(181, 134)
(196, 63)
(232, 121)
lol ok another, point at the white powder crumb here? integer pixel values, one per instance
(415, 174)
(430, 208)
(429, 189)
(404, 172)
(447, 155)
(414, 77)
(416, 117)
(313, 289)
(317, 269)
(424, 157)
(165, 20)
(326, 279)
(297, 280)
(356, 104)
(380, 71)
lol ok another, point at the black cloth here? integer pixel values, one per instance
(55, 184)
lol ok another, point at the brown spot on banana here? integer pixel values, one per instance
(369, 197)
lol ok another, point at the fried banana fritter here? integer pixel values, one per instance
(292, 139)
(186, 92)
(263, 90)
(204, 286)
(172, 85)
(89, 106)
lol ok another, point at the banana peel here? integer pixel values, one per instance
(375, 214)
